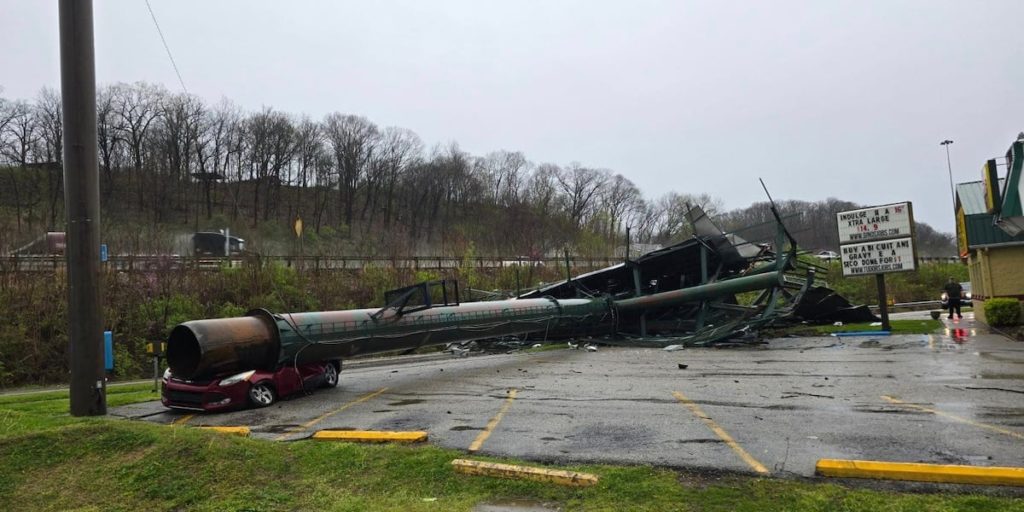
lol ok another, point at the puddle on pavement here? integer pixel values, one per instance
(408, 401)
(1000, 358)
(959, 335)
(1000, 376)
(1001, 412)
(516, 506)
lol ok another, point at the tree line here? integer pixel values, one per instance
(172, 163)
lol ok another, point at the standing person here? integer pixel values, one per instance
(953, 292)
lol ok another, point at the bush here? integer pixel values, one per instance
(1002, 311)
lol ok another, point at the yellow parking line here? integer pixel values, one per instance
(555, 476)
(953, 417)
(920, 472)
(720, 432)
(479, 441)
(325, 415)
(370, 436)
(182, 420)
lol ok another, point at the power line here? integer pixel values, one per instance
(162, 39)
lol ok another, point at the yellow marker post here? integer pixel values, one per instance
(945, 473)
(554, 476)
(370, 436)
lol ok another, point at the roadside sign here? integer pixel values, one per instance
(896, 255)
(875, 223)
(103, 252)
(876, 241)
(108, 351)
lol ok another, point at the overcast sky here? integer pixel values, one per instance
(819, 98)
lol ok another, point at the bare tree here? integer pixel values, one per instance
(137, 106)
(352, 140)
(51, 131)
(109, 137)
(20, 142)
(580, 186)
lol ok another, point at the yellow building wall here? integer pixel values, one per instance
(996, 272)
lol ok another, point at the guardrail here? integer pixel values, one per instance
(911, 306)
(127, 263)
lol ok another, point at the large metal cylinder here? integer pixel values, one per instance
(262, 339)
(210, 347)
(702, 292)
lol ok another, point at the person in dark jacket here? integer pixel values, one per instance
(953, 291)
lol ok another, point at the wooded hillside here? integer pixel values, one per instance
(171, 164)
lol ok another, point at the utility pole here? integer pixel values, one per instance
(949, 166)
(82, 204)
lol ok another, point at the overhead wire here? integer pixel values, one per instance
(166, 47)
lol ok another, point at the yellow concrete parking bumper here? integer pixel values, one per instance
(368, 436)
(555, 476)
(921, 472)
(238, 431)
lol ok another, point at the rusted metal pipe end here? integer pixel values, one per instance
(203, 348)
(183, 351)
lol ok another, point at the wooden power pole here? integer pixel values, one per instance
(82, 205)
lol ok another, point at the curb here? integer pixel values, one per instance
(554, 476)
(945, 473)
(367, 436)
(238, 431)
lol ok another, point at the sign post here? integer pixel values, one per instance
(878, 240)
(298, 233)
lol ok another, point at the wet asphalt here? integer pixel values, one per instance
(954, 397)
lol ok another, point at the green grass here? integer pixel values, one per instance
(50, 461)
(898, 327)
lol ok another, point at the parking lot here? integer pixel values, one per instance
(953, 398)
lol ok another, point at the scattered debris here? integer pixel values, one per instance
(537, 345)
(994, 389)
(684, 294)
(683, 366)
(794, 394)
(672, 348)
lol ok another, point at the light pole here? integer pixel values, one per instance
(949, 166)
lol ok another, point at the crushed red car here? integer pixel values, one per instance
(255, 388)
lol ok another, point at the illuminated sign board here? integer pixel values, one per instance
(895, 255)
(877, 240)
(961, 232)
(875, 223)
(990, 176)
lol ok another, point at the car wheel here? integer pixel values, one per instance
(262, 394)
(331, 376)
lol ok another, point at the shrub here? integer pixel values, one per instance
(1002, 311)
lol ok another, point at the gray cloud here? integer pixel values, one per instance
(844, 99)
